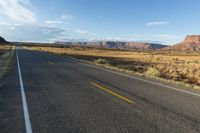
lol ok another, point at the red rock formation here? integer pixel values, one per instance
(191, 43)
(192, 39)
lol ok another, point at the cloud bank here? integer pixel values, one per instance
(157, 23)
(18, 10)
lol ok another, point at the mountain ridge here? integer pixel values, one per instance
(117, 45)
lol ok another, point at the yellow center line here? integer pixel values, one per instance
(113, 93)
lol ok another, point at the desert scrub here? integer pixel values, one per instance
(6, 56)
(152, 72)
(178, 66)
(102, 61)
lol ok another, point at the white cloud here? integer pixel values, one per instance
(18, 10)
(157, 23)
(28, 32)
(2, 24)
(166, 36)
(66, 17)
(82, 31)
(20, 23)
(67, 35)
(60, 20)
(157, 38)
(53, 22)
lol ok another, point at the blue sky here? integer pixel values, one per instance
(165, 21)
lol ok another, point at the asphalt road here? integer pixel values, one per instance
(65, 96)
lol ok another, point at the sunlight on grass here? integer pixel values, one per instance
(6, 55)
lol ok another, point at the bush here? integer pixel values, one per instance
(101, 61)
(153, 72)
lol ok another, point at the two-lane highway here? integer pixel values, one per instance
(60, 95)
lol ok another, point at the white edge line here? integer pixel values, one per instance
(24, 102)
(169, 87)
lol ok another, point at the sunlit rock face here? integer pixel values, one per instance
(192, 39)
(191, 43)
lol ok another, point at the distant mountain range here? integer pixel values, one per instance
(191, 43)
(116, 45)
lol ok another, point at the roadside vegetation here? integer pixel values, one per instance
(173, 66)
(6, 56)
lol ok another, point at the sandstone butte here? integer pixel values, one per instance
(191, 43)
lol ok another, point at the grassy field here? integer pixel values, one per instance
(181, 67)
(6, 56)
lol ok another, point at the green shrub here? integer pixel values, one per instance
(153, 72)
(101, 61)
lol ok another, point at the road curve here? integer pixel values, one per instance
(63, 95)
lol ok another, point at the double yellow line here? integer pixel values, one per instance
(113, 93)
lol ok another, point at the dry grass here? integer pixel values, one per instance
(180, 67)
(6, 55)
